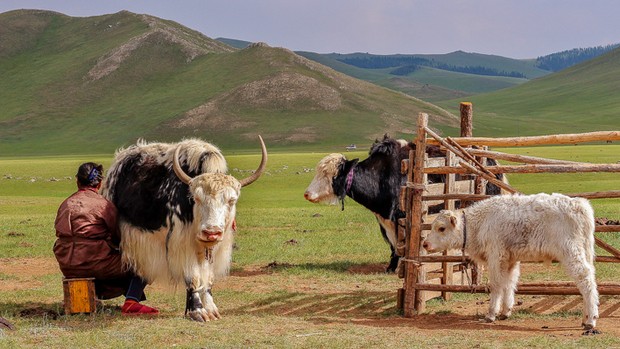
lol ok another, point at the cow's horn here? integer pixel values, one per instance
(177, 167)
(261, 168)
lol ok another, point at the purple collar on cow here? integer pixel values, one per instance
(464, 233)
(350, 179)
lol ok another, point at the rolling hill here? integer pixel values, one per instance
(581, 98)
(94, 84)
(439, 77)
(427, 78)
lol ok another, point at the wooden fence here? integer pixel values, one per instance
(427, 275)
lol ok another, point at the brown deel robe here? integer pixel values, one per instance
(87, 242)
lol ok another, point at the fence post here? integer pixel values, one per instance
(467, 130)
(413, 303)
(467, 113)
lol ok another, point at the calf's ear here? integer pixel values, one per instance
(453, 220)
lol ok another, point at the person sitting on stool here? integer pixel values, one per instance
(88, 240)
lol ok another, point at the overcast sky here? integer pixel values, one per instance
(510, 28)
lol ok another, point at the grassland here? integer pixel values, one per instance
(303, 275)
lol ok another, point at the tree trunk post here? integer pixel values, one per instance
(467, 113)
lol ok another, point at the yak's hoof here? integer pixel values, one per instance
(502, 317)
(202, 315)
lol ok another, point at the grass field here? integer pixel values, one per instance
(303, 275)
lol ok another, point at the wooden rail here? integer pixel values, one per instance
(532, 168)
(550, 288)
(601, 136)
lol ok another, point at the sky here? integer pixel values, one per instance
(510, 28)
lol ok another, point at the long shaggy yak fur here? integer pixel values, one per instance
(155, 210)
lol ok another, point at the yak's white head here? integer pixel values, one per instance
(321, 189)
(215, 196)
(446, 232)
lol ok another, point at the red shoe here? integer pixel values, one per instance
(132, 307)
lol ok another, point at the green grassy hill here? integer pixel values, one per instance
(444, 77)
(578, 99)
(430, 83)
(91, 85)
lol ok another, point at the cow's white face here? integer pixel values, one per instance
(445, 233)
(215, 196)
(320, 189)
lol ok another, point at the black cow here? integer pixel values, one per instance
(374, 183)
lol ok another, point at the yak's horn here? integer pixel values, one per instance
(177, 167)
(261, 168)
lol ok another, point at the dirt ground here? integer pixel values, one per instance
(332, 303)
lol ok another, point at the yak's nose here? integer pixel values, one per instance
(211, 234)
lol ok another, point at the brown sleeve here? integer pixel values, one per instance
(110, 217)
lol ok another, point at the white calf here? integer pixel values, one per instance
(504, 230)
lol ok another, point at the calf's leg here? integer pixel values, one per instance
(508, 290)
(582, 271)
(496, 281)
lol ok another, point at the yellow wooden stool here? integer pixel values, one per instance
(79, 295)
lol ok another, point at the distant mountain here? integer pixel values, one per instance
(562, 60)
(437, 77)
(451, 75)
(240, 44)
(581, 98)
(93, 84)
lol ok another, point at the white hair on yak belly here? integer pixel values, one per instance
(143, 252)
(147, 254)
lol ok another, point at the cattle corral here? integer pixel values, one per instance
(418, 193)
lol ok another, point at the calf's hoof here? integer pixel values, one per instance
(488, 319)
(503, 317)
(591, 332)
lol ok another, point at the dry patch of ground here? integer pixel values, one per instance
(367, 303)
(22, 273)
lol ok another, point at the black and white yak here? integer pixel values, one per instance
(374, 183)
(176, 208)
